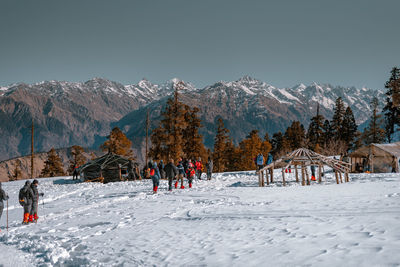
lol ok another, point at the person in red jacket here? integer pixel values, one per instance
(199, 167)
(190, 173)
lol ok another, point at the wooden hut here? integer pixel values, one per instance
(376, 158)
(299, 160)
(108, 168)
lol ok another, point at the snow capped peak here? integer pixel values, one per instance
(247, 79)
(299, 87)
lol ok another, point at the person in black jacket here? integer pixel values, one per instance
(3, 196)
(209, 166)
(170, 172)
(25, 199)
(35, 202)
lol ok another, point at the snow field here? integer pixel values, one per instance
(228, 221)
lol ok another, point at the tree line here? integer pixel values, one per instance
(177, 135)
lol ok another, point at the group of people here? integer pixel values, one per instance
(29, 200)
(259, 160)
(184, 169)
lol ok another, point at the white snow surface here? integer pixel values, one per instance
(228, 221)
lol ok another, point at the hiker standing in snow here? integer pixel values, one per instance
(155, 176)
(190, 173)
(199, 167)
(35, 201)
(260, 161)
(161, 169)
(25, 200)
(170, 172)
(209, 166)
(75, 173)
(3, 196)
(181, 173)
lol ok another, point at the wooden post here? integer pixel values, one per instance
(266, 176)
(347, 177)
(297, 173)
(272, 174)
(303, 181)
(283, 178)
(340, 176)
(337, 178)
(32, 151)
(259, 179)
(319, 174)
(308, 177)
(262, 178)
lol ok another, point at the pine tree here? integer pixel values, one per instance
(118, 143)
(220, 142)
(349, 128)
(374, 132)
(78, 159)
(337, 119)
(294, 137)
(168, 139)
(250, 147)
(315, 133)
(232, 157)
(193, 145)
(266, 145)
(327, 132)
(53, 166)
(17, 172)
(276, 143)
(392, 107)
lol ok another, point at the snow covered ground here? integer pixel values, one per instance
(228, 221)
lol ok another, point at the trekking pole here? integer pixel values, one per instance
(7, 215)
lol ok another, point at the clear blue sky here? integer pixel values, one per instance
(282, 42)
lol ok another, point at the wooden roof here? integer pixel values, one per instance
(304, 156)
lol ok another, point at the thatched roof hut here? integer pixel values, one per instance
(108, 168)
(376, 158)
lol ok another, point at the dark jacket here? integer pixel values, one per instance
(170, 170)
(28, 194)
(3, 195)
(180, 168)
(209, 166)
(35, 194)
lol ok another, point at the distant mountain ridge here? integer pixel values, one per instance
(73, 113)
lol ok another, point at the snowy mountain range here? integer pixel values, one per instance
(69, 113)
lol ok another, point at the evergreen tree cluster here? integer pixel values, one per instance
(178, 133)
(53, 165)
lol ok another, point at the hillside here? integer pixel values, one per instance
(67, 113)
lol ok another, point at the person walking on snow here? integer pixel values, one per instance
(199, 168)
(161, 169)
(25, 200)
(35, 201)
(75, 173)
(190, 173)
(155, 176)
(3, 196)
(209, 166)
(181, 173)
(170, 172)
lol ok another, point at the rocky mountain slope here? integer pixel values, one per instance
(67, 113)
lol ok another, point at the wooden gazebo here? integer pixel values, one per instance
(300, 159)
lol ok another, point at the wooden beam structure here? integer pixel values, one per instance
(304, 157)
